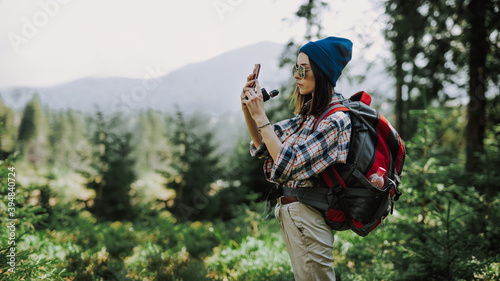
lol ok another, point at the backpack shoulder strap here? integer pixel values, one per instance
(360, 96)
(331, 173)
(329, 111)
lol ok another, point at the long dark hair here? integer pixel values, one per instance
(306, 105)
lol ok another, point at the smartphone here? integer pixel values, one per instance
(256, 70)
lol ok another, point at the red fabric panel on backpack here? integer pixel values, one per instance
(338, 216)
(335, 215)
(378, 223)
(366, 98)
(357, 223)
(382, 156)
(337, 176)
(400, 157)
(326, 178)
(343, 108)
(362, 96)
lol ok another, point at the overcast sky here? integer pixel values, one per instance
(47, 42)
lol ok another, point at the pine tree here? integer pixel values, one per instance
(113, 168)
(67, 139)
(33, 133)
(152, 147)
(196, 165)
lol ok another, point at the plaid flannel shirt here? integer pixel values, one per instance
(305, 153)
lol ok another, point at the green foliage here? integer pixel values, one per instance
(151, 262)
(365, 258)
(152, 147)
(197, 169)
(247, 171)
(113, 169)
(19, 218)
(8, 130)
(436, 44)
(253, 259)
(199, 239)
(68, 140)
(156, 248)
(449, 222)
(250, 248)
(33, 133)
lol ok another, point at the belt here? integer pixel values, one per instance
(283, 200)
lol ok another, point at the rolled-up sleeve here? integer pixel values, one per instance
(259, 152)
(327, 145)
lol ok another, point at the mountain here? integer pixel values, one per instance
(211, 86)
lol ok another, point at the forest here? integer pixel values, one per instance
(150, 195)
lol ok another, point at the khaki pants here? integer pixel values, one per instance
(309, 241)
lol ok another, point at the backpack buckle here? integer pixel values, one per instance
(338, 190)
(397, 193)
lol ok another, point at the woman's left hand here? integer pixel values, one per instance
(252, 98)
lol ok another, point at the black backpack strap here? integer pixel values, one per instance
(330, 176)
(275, 193)
(316, 197)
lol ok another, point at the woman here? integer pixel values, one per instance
(295, 153)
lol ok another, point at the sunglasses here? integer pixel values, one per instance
(302, 70)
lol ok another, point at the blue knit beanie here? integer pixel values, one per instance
(331, 54)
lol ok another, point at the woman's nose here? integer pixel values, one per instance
(296, 75)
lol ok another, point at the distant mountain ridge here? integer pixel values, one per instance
(212, 86)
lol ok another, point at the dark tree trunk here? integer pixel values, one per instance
(476, 109)
(399, 100)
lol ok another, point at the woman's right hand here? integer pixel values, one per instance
(246, 88)
(252, 99)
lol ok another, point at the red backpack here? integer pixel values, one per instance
(351, 201)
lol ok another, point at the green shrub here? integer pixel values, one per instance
(254, 259)
(199, 238)
(150, 262)
(90, 265)
(119, 239)
(160, 228)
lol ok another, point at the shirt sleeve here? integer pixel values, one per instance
(279, 128)
(327, 145)
(259, 152)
